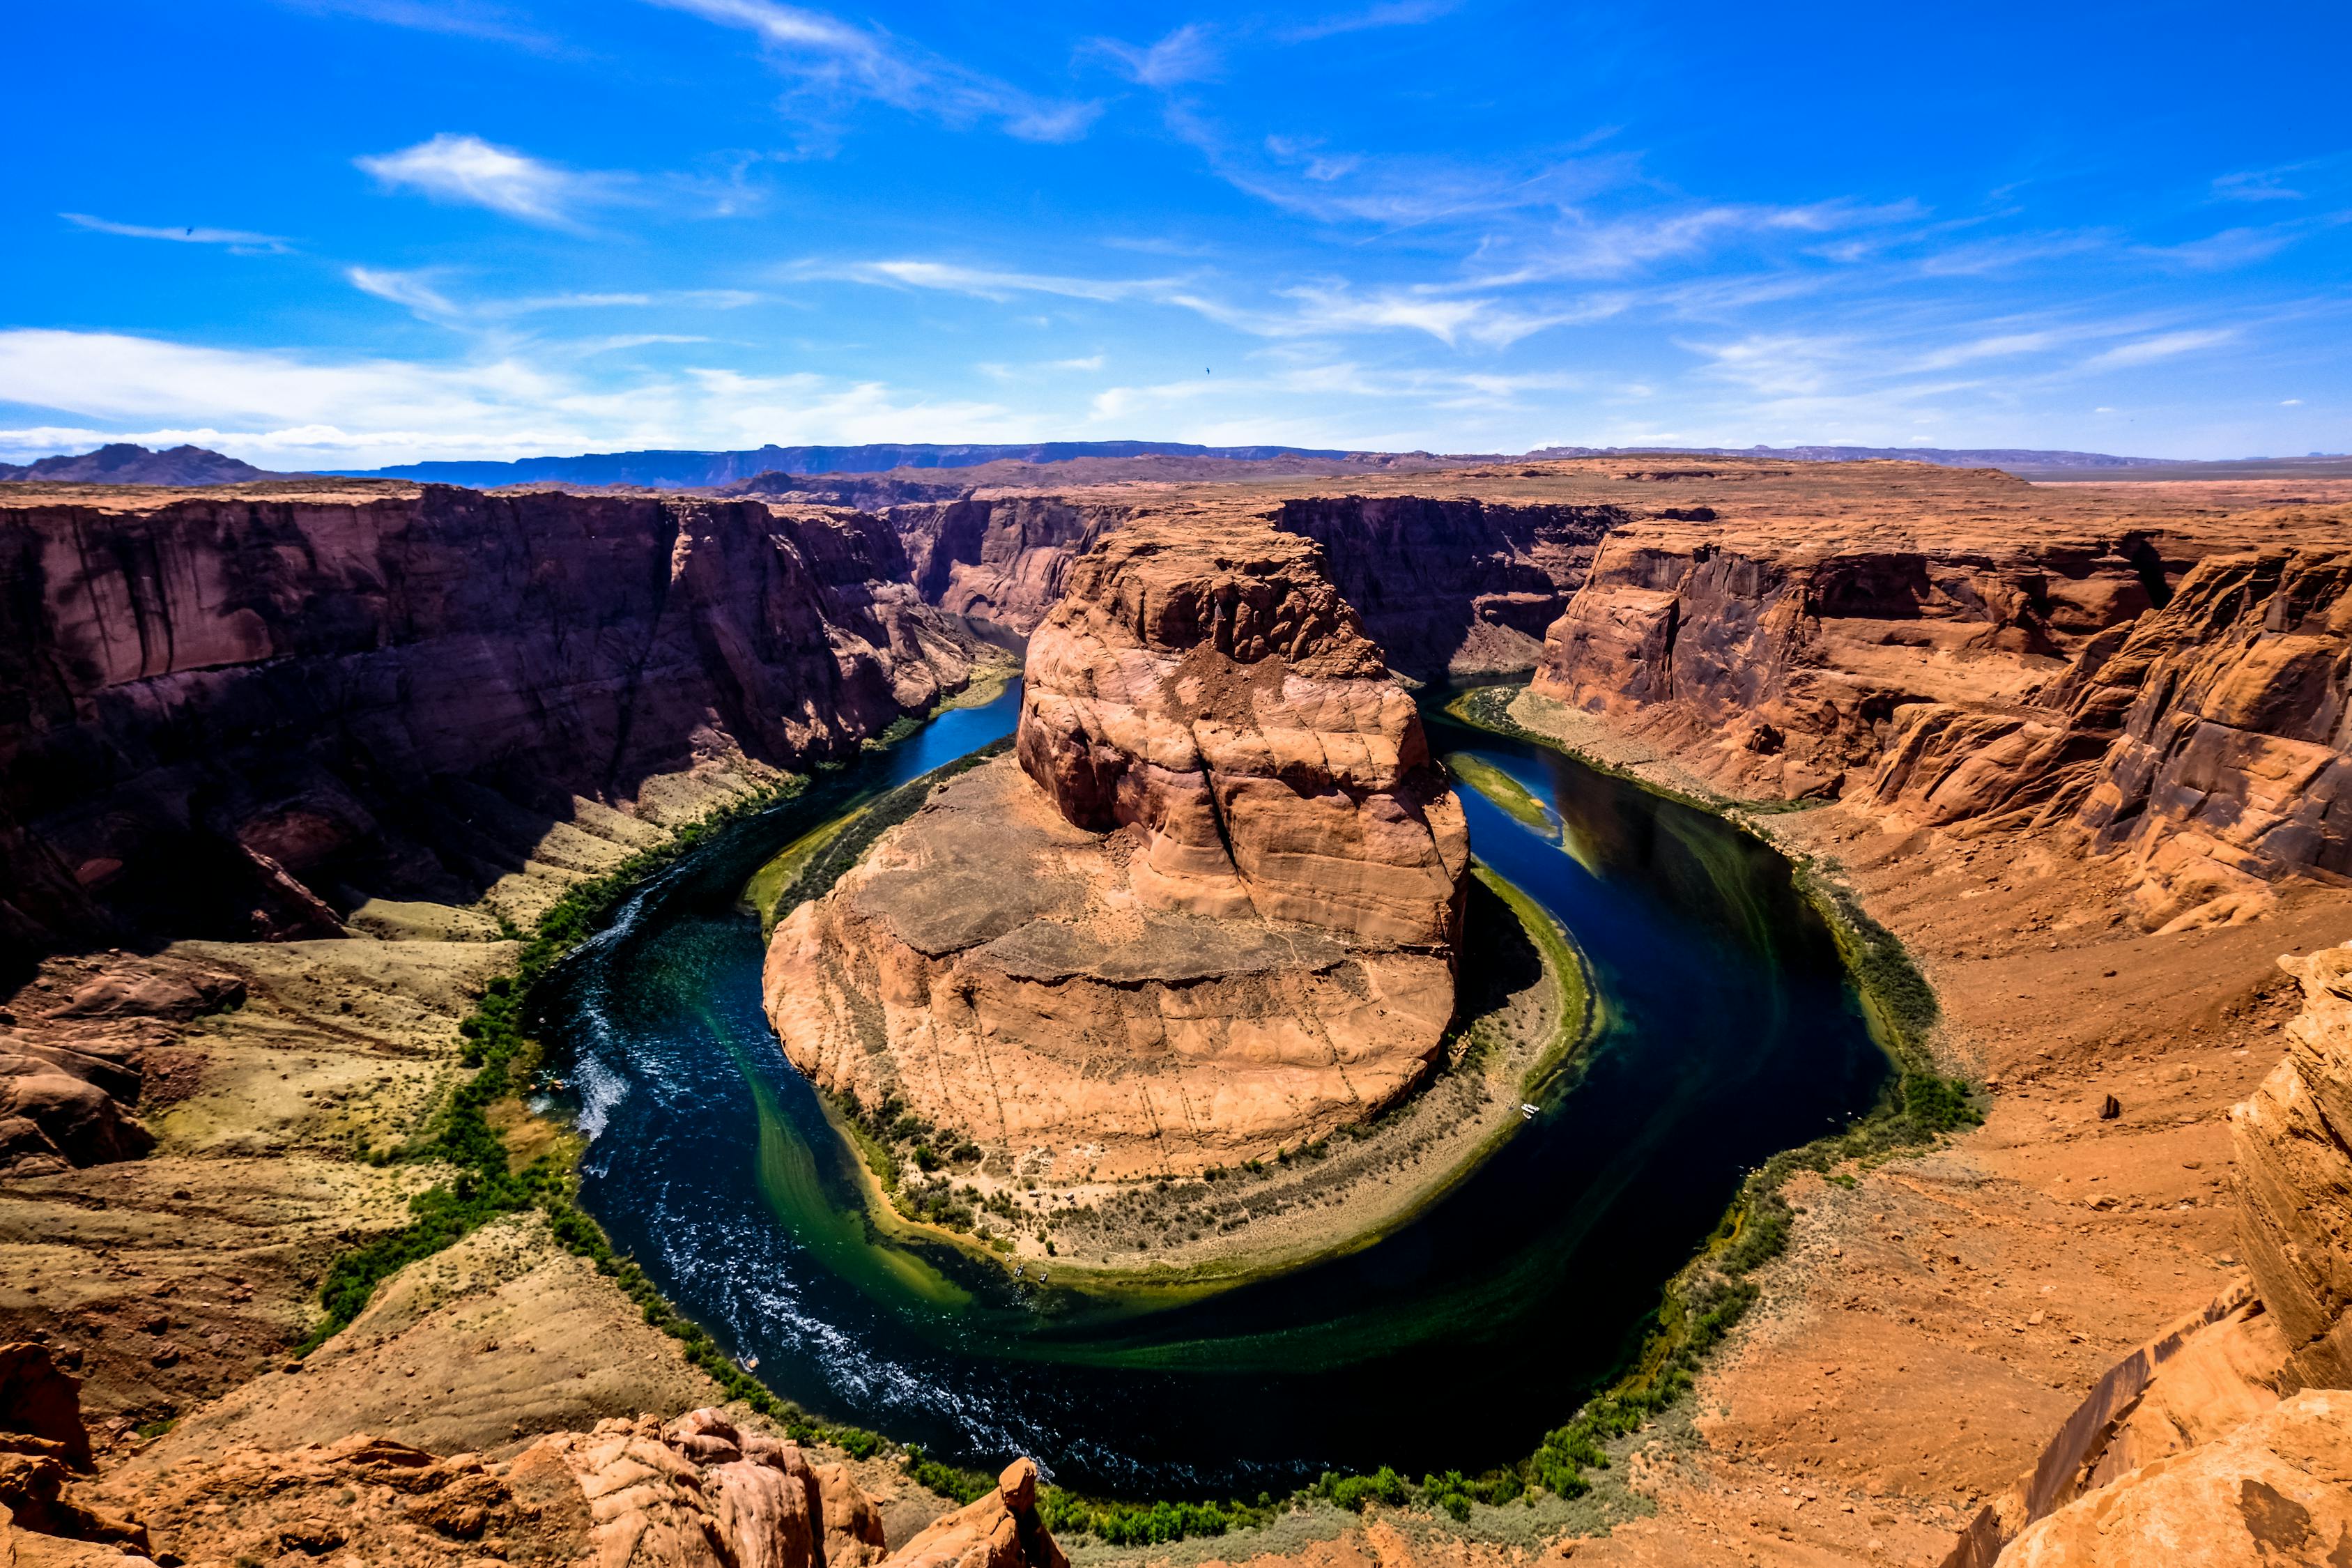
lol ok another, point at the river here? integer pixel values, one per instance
(1731, 1031)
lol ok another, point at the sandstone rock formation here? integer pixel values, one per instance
(2233, 765)
(73, 1066)
(999, 1531)
(2292, 1141)
(999, 559)
(2277, 1490)
(1783, 654)
(695, 1492)
(243, 714)
(1213, 916)
(1454, 585)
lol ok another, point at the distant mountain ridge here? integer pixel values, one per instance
(1943, 457)
(700, 470)
(122, 463)
(771, 468)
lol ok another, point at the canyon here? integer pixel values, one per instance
(278, 758)
(1206, 912)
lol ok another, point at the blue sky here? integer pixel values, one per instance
(335, 233)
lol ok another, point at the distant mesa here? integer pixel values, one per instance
(123, 463)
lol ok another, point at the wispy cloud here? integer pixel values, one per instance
(830, 58)
(2257, 185)
(463, 18)
(1398, 14)
(242, 241)
(1183, 56)
(422, 294)
(1325, 307)
(467, 169)
(2163, 346)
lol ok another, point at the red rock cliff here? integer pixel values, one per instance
(240, 714)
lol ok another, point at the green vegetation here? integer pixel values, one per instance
(1500, 788)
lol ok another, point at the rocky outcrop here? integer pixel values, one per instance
(999, 1531)
(2276, 1489)
(238, 716)
(1454, 586)
(695, 1492)
(73, 1061)
(2291, 1141)
(1208, 915)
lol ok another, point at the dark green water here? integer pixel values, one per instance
(1731, 1033)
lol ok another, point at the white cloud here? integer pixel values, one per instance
(1092, 362)
(1184, 55)
(2256, 185)
(465, 18)
(1308, 309)
(987, 283)
(243, 241)
(831, 57)
(2163, 346)
(1396, 14)
(2230, 248)
(292, 411)
(467, 169)
(2291, 403)
(420, 293)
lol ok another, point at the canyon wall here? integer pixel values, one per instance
(1208, 913)
(1455, 585)
(1974, 683)
(998, 560)
(1780, 656)
(238, 716)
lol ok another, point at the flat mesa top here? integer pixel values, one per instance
(1878, 501)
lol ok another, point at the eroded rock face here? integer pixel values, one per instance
(1208, 685)
(241, 716)
(1000, 559)
(1208, 914)
(1784, 661)
(2276, 1489)
(2230, 768)
(1454, 585)
(2293, 1177)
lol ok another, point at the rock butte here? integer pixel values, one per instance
(1207, 913)
(2052, 722)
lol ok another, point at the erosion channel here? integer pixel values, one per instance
(1724, 1029)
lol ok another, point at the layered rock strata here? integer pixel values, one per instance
(2292, 1144)
(244, 713)
(999, 559)
(1782, 657)
(1454, 585)
(1209, 913)
(2181, 704)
